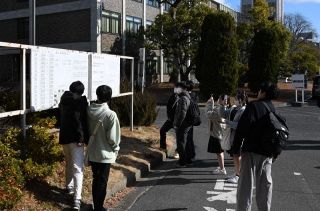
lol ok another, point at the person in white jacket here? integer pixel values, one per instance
(103, 146)
(241, 100)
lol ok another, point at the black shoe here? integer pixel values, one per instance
(189, 163)
(178, 165)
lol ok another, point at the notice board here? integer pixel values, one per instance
(52, 72)
(105, 71)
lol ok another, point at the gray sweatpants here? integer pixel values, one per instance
(258, 167)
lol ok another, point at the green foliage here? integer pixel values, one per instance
(9, 99)
(259, 14)
(178, 34)
(11, 178)
(270, 44)
(217, 55)
(25, 160)
(144, 109)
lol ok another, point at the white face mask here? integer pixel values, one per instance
(178, 90)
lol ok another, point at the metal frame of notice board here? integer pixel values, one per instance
(23, 102)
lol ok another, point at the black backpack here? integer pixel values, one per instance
(193, 114)
(277, 131)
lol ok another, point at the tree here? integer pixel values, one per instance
(304, 60)
(178, 35)
(303, 56)
(259, 14)
(297, 25)
(217, 55)
(270, 44)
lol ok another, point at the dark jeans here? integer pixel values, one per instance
(100, 173)
(163, 133)
(181, 136)
(190, 150)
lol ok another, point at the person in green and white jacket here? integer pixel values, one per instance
(103, 148)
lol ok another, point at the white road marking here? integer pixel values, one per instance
(230, 196)
(219, 184)
(297, 173)
(210, 209)
(222, 192)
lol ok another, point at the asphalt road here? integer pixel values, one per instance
(296, 174)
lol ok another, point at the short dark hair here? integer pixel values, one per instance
(242, 96)
(181, 84)
(104, 93)
(190, 85)
(77, 87)
(270, 89)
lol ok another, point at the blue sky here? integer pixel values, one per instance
(310, 9)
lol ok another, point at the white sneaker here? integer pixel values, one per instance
(233, 180)
(219, 171)
(176, 156)
(231, 176)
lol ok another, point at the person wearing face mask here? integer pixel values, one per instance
(241, 100)
(182, 126)
(171, 109)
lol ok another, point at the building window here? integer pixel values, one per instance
(153, 3)
(148, 23)
(133, 24)
(168, 6)
(22, 29)
(110, 22)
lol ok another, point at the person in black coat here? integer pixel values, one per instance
(73, 135)
(256, 156)
(190, 149)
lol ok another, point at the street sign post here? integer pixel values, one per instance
(298, 84)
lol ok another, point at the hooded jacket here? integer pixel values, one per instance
(105, 145)
(73, 118)
(181, 110)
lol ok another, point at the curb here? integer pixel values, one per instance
(130, 178)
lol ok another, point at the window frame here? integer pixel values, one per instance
(111, 18)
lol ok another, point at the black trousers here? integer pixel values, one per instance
(182, 134)
(190, 150)
(168, 125)
(100, 172)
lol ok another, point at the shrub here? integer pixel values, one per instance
(217, 55)
(9, 99)
(11, 179)
(144, 109)
(39, 152)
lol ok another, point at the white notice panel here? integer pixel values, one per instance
(105, 71)
(298, 81)
(52, 72)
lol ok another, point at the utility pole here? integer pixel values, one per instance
(32, 22)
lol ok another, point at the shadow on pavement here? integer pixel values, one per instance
(303, 145)
(173, 209)
(48, 193)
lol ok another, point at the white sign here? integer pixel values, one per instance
(52, 72)
(298, 81)
(105, 71)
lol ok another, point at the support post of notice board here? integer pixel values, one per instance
(302, 95)
(23, 91)
(132, 90)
